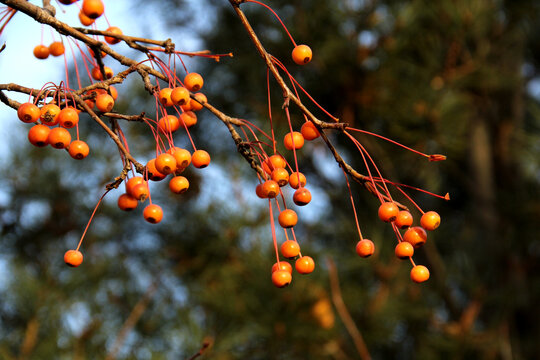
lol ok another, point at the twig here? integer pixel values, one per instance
(80, 34)
(117, 116)
(205, 345)
(11, 103)
(30, 338)
(344, 314)
(162, 43)
(138, 166)
(134, 316)
(289, 96)
(44, 17)
(241, 146)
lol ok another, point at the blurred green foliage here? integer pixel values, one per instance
(451, 76)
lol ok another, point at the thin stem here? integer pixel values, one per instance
(91, 218)
(276, 15)
(352, 203)
(343, 312)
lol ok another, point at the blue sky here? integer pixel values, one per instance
(22, 34)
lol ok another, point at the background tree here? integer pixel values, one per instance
(448, 76)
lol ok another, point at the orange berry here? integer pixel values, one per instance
(200, 99)
(85, 20)
(28, 112)
(273, 162)
(309, 131)
(302, 54)
(200, 159)
(365, 248)
(97, 75)
(388, 211)
(153, 213)
(41, 52)
(187, 118)
(165, 163)
(182, 157)
(282, 265)
(104, 102)
(132, 182)
(259, 191)
(153, 173)
(270, 189)
(140, 191)
(187, 106)
(49, 114)
(293, 140)
(297, 179)
(113, 92)
(404, 250)
(78, 149)
(178, 184)
(180, 95)
(90, 101)
(59, 138)
(287, 218)
(419, 274)
(193, 81)
(112, 40)
(56, 48)
(403, 219)
(68, 117)
(281, 176)
(93, 8)
(290, 249)
(304, 265)
(168, 123)
(165, 96)
(38, 135)
(416, 236)
(73, 258)
(430, 220)
(91, 51)
(302, 196)
(67, 2)
(281, 278)
(127, 202)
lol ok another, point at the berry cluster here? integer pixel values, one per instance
(55, 109)
(413, 238)
(276, 177)
(277, 174)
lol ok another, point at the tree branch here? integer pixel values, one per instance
(139, 167)
(243, 148)
(134, 316)
(30, 338)
(343, 312)
(44, 17)
(289, 96)
(205, 345)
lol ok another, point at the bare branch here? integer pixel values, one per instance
(343, 312)
(49, 8)
(205, 345)
(243, 148)
(134, 316)
(168, 45)
(44, 17)
(114, 137)
(30, 338)
(289, 96)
